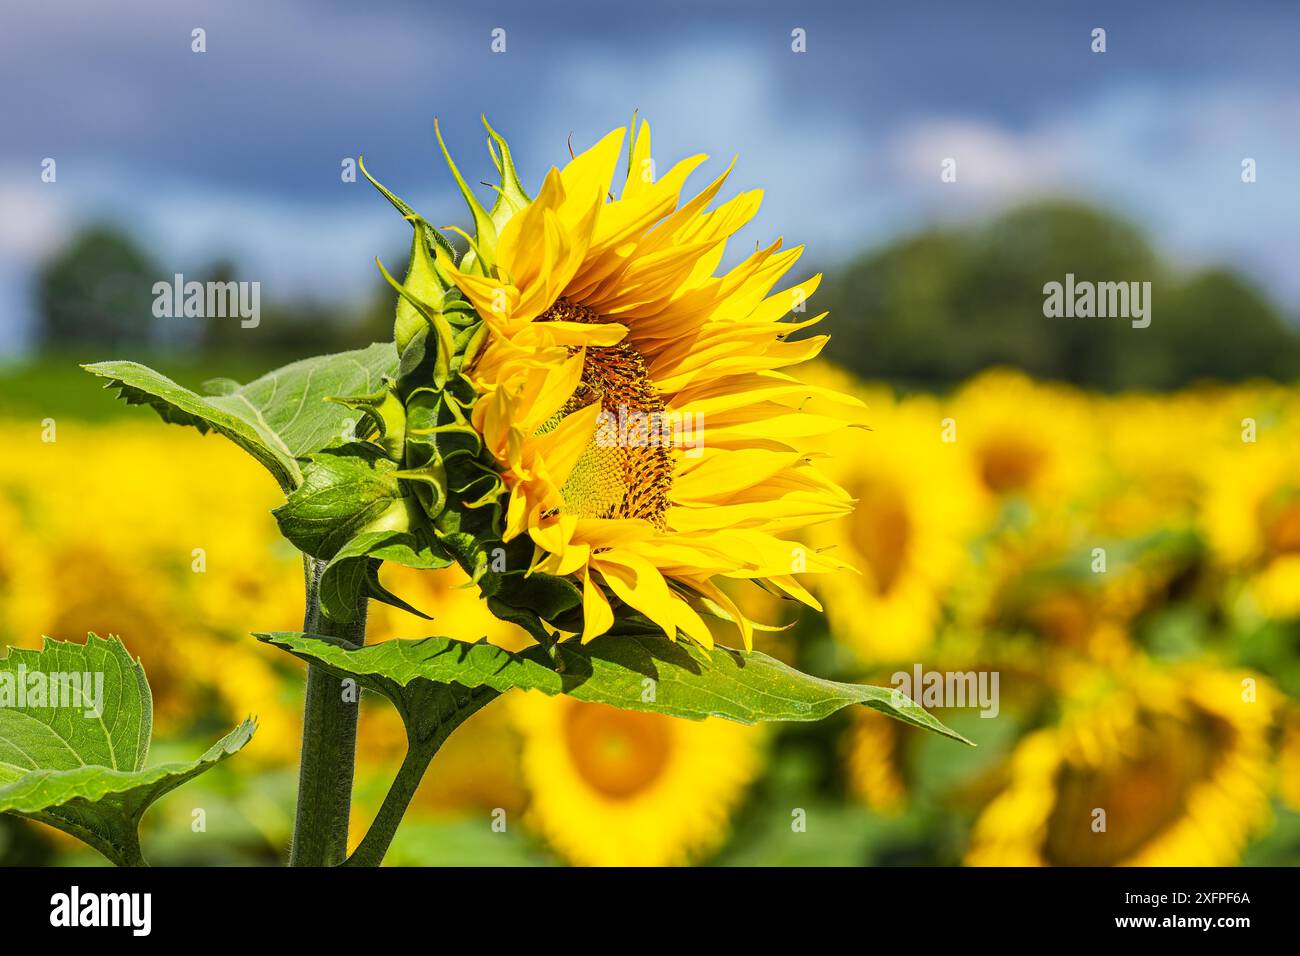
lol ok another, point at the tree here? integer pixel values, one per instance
(934, 308)
(98, 290)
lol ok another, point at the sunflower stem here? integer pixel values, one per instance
(329, 743)
(372, 849)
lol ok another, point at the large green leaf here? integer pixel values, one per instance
(634, 672)
(73, 754)
(279, 418)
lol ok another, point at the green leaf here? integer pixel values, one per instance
(279, 418)
(437, 683)
(74, 758)
(634, 672)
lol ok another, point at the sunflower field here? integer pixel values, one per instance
(1120, 572)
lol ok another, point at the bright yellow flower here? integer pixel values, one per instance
(613, 787)
(874, 765)
(181, 570)
(905, 539)
(1171, 769)
(607, 311)
(1252, 517)
(1020, 438)
(1150, 476)
(1288, 762)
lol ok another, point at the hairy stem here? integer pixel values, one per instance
(329, 740)
(423, 741)
(371, 850)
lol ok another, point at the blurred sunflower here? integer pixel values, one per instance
(905, 539)
(128, 565)
(1178, 762)
(607, 311)
(1038, 585)
(611, 787)
(1288, 762)
(874, 763)
(1150, 478)
(1021, 438)
(1252, 519)
(66, 589)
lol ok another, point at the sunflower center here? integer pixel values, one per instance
(1143, 792)
(1066, 617)
(1282, 525)
(1008, 463)
(617, 752)
(882, 531)
(626, 470)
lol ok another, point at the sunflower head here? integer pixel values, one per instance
(1165, 768)
(588, 416)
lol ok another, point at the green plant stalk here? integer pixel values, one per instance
(419, 754)
(329, 744)
(371, 850)
(131, 855)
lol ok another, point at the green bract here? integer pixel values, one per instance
(420, 489)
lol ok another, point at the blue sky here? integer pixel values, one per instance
(237, 151)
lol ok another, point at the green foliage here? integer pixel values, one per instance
(80, 766)
(635, 672)
(279, 418)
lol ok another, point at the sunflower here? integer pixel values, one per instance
(1033, 595)
(1020, 438)
(636, 405)
(126, 565)
(66, 589)
(1252, 519)
(611, 787)
(1150, 476)
(1288, 762)
(1178, 762)
(874, 764)
(906, 537)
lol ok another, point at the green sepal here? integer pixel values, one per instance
(385, 413)
(435, 240)
(485, 229)
(354, 570)
(511, 198)
(435, 322)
